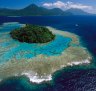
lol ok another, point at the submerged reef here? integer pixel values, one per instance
(32, 34)
(41, 67)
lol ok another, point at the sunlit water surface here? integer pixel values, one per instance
(76, 78)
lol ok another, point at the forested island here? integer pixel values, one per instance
(32, 34)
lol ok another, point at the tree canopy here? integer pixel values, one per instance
(32, 34)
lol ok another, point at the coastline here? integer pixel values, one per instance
(38, 80)
(34, 78)
(34, 68)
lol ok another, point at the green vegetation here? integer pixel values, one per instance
(32, 34)
(33, 10)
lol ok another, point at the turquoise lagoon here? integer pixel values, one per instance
(11, 48)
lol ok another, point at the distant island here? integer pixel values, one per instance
(34, 10)
(32, 34)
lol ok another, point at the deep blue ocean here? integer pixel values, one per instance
(76, 78)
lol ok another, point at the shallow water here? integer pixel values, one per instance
(77, 78)
(11, 48)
